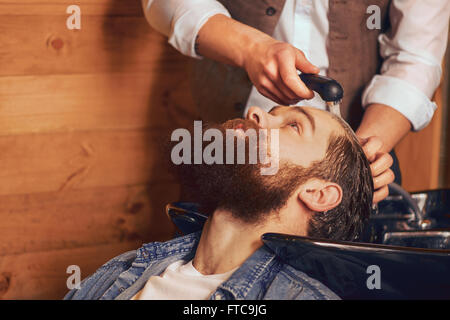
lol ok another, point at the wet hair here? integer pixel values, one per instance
(345, 164)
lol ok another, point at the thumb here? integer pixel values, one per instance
(371, 147)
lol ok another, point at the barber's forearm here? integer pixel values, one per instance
(386, 123)
(226, 40)
(271, 65)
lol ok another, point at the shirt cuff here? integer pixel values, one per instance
(403, 97)
(189, 18)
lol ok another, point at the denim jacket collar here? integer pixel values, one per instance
(153, 258)
(155, 251)
(252, 277)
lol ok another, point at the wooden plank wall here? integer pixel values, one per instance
(419, 152)
(82, 113)
(445, 153)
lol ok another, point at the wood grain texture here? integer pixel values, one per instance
(76, 160)
(419, 152)
(58, 7)
(42, 275)
(104, 44)
(103, 101)
(82, 115)
(80, 218)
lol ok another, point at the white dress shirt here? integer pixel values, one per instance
(412, 54)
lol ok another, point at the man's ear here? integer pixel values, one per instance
(319, 195)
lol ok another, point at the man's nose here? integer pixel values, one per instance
(259, 116)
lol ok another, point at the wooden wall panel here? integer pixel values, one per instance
(76, 160)
(79, 218)
(73, 102)
(42, 275)
(104, 44)
(82, 115)
(58, 7)
(419, 152)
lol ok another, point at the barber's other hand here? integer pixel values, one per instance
(272, 67)
(380, 163)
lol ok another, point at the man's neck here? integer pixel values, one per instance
(226, 243)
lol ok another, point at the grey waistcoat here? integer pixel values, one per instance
(221, 91)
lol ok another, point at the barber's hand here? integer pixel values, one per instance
(272, 67)
(380, 163)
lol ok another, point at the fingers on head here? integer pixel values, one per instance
(371, 147)
(381, 164)
(380, 194)
(383, 179)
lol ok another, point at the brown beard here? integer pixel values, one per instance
(240, 188)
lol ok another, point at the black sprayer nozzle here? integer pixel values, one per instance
(328, 89)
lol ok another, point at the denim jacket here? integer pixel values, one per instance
(262, 276)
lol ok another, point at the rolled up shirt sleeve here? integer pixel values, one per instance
(181, 20)
(412, 51)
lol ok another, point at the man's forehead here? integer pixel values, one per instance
(313, 114)
(277, 109)
(310, 112)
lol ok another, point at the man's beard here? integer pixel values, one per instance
(240, 188)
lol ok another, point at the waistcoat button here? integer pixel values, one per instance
(270, 11)
(238, 106)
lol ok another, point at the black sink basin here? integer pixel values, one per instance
(413, 258)
(419, 239)
(344, 267)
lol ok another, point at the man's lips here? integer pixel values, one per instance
(242, 124)
(239, 126)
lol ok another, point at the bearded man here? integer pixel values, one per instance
(323, 188)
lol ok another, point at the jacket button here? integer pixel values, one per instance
(270, 11)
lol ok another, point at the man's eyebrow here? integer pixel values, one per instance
(274, 109)
(301, 110)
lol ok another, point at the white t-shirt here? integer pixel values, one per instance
(181, 281)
